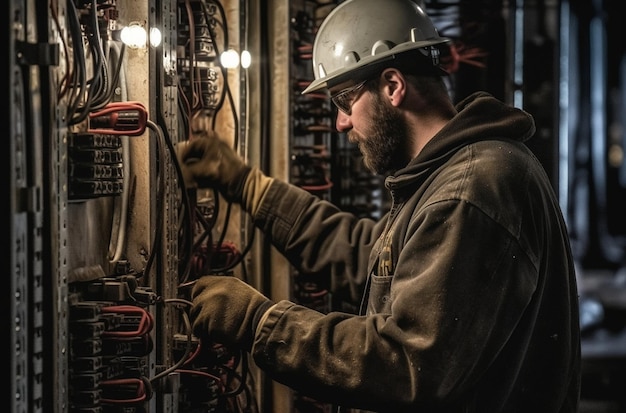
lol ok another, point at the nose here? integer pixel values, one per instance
(343, 122)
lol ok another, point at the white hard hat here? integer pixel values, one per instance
(360, 36)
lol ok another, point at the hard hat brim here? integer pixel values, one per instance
(370, 65)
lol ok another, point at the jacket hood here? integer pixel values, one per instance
(480, 117)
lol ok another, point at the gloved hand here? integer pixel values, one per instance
(207, 161)
(226, 310)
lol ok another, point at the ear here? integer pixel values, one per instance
(394, 86)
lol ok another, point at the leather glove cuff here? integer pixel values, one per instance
(255, 187)
(258, 315)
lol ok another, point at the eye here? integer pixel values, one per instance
(344, 99)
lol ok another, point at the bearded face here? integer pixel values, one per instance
(385, 149)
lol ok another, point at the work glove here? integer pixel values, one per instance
(226, 310)
(207, 161)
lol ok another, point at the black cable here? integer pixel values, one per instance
(242, 359)
(78, 81)
(94, 84)
(188, 328)
(161, 144)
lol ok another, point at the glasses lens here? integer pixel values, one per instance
(343, 100)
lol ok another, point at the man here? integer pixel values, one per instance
(468, 284)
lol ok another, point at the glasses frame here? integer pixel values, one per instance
(345, 98)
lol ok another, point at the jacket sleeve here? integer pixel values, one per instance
(447, 320)
(316, 237)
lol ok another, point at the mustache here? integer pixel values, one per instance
(353, 137)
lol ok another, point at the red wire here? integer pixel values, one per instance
(141, 394)
(314, 188)
(145, 325)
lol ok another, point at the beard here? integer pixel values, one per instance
(386, 149)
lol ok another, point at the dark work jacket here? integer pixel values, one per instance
(469, 282)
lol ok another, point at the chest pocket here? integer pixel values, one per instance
(379, 301)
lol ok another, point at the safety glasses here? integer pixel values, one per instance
(346, 97)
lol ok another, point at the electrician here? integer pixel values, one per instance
(468, 284)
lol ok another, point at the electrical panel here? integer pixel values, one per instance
(106, 239)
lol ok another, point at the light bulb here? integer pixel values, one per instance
(246, 59)
(229, 59)
(134, 36)
(155, 37)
